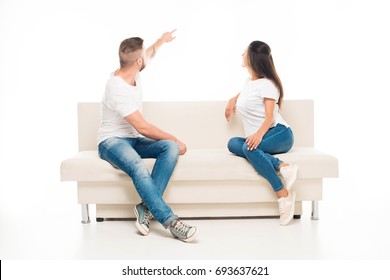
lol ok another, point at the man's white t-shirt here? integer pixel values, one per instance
(250, 104)
(120, 99)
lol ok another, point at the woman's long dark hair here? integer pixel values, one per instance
(261, 62)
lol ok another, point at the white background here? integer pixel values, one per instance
(54, 54)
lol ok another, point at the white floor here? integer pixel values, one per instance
(350, 228)
(40, 221)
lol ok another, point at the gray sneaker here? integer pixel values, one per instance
(143, 218)
(182, 231)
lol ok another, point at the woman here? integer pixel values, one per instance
(266, 133)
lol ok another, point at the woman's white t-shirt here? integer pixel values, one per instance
(250, 104)
(120, 99)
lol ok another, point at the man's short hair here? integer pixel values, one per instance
(130, 50)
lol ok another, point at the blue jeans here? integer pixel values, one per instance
(126, 154)
(278, 139)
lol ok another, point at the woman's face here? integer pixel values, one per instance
(245, 58)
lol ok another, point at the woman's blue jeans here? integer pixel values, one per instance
(126, 154)
(278, 139)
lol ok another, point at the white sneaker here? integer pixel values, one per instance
(289, 174)
(286, 208)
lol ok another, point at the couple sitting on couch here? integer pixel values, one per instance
(125, 137)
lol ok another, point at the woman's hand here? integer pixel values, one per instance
(230, 109)
(254, 141)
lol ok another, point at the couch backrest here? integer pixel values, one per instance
(199, 124)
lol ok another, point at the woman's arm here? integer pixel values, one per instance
(254, 140)
(231, 107)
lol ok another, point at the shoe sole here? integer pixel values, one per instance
(292, 212)
(137, 223)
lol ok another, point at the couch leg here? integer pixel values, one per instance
(314, 210)
(85, 214)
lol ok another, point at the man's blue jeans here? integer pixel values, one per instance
(278, 139)
(126, 154)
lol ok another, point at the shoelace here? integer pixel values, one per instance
(147, 217)
(181, 227)
(282, 205)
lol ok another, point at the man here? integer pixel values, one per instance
(125, 137)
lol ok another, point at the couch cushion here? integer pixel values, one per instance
(202, 165)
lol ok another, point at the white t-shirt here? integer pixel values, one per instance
(120, 99)
(250, 104)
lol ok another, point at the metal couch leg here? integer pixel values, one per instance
(85, 214)
(314, 210)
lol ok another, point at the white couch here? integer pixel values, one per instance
(208, 180)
